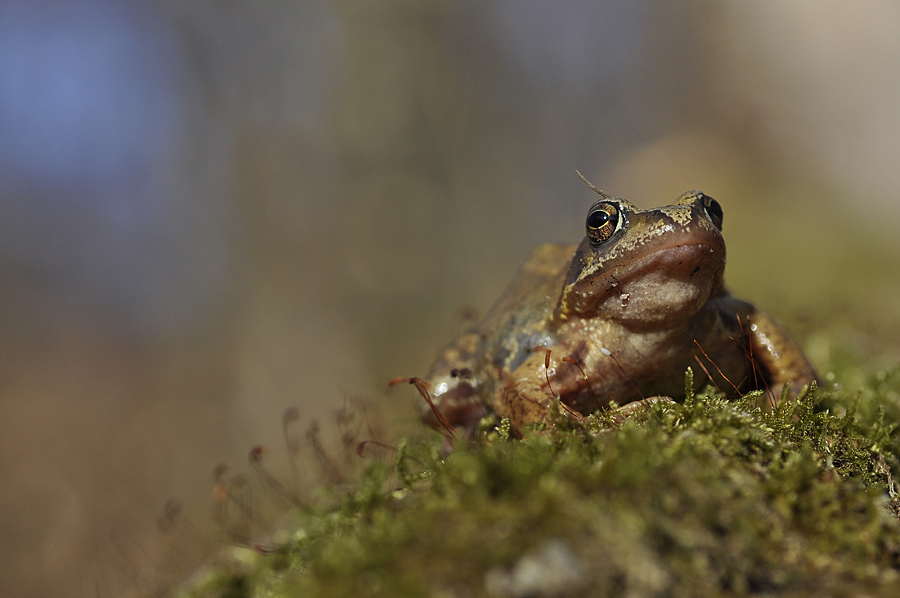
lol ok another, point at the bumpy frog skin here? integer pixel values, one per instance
(636, 303)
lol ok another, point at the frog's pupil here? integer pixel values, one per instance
(598, 219)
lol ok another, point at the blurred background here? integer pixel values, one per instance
(213, 211)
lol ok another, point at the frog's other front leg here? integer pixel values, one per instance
(529, 393)
(778, 356)
(519, 396)
(549, 383)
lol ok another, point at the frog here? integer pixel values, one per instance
(616, 321)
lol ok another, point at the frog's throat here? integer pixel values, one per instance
(671, 283)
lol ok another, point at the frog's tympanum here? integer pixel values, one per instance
(623, 315)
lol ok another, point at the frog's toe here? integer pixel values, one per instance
(635, 406)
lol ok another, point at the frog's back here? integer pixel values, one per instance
(511, 329)
(518, 321)
(524, 307)
(535, 287)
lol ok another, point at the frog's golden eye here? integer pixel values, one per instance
(713, 209)
(602, 222)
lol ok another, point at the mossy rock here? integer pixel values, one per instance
(709, 497)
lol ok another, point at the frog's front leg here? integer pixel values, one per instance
(778, 356)
(774, 359)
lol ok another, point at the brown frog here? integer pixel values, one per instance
(623, 315)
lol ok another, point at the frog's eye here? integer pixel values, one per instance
(602, 222)
(713, 209)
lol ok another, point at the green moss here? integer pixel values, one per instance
(706, 497)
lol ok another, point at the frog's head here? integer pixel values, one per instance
(646, 269)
